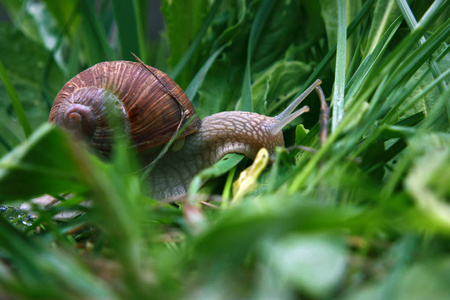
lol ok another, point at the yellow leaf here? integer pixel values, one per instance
(246, 182)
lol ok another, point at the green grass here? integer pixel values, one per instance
(366, 215)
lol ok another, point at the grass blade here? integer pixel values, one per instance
(18, 108)
(44, 271)
(384, 11)
(140, 11)
(126, 20)
(341, 55)
(371, 60)
(198, 79)
(410, 65)
(412, 23)
(5, 144)
(390, 63)
(43, 163)
(187, 56)
(329, 56)
(375, 80)
(94, 37)
(228, 162)
(246, 103)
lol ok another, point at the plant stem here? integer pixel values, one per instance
(339, 80)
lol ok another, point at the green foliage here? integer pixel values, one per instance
(45, 173)
(365, 215)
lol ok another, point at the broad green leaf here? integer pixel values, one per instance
(45, 24)
(279, 82)
(313, 264)
(61, 11)
(24, 59)
(45, 163)
(427, 180)
(288, 31)
(237, 14)
(17, 12)
(35, 109)
(220, 90)
(25, 72)
(187, 56)
(198, 79)
(39, 25)
(183, 20)
(427, 183)
(244, 226)
(300, 133)
(428, 278)
(421, 280)
(246, 103)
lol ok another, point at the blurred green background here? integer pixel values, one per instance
(364, 215)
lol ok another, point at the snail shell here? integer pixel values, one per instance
(149, 111)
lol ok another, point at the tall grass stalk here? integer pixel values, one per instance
(15, 101)
(341, 62)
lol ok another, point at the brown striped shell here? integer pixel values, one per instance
(147, 109)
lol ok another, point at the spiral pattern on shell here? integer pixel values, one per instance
(147, 109)
(74, 116)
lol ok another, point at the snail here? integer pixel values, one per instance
(153, 108)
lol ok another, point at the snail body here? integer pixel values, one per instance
(207, 146)
(153, 108)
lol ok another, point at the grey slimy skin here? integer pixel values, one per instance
(173, 173)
